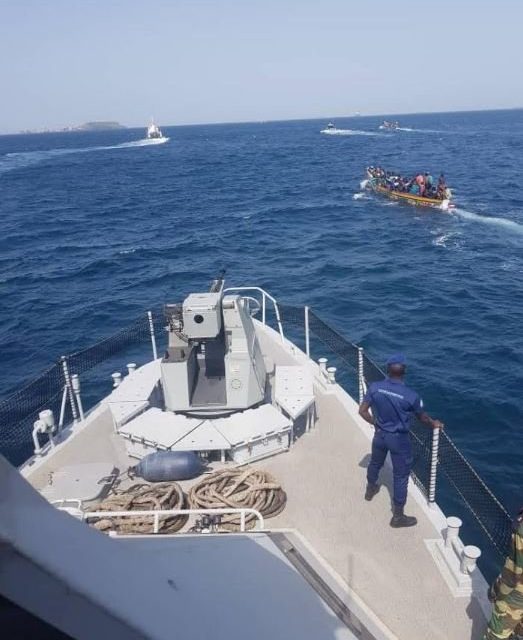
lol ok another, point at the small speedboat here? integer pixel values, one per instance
(331, 128)
(389, 124)
(383, 182)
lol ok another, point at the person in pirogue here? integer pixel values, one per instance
(393, 406)
(507, 591)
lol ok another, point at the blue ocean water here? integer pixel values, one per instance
(97, 227)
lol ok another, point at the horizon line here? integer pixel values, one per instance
(301, 119)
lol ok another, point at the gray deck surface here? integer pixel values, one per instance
(324, 477)
(390, 569)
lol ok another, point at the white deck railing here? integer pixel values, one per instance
(163, 513)
(265, 296)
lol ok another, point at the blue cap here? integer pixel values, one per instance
(397, 358)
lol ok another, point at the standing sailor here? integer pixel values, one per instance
(507, 591)
(393, 407)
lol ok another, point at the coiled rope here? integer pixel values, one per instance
(239, 488)
(143, 497)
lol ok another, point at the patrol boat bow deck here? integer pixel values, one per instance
(328, 566)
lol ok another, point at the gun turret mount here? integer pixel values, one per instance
(213, 362)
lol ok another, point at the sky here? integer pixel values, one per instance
(65, 62)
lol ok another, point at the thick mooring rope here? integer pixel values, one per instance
(237, 488)
(143, 497)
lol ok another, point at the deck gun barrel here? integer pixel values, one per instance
(218, 282)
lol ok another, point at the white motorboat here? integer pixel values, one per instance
(331, 129)
(154, 132)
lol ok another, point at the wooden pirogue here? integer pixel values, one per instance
(377, 185)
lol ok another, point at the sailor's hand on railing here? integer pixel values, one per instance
(436, 424)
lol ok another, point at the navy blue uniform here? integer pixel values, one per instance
(393, 405)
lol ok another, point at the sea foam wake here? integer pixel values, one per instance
(492, 220)
(505, 223)
(22, 159)
(349, 132)
(411, 130)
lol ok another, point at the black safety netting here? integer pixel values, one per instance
(488, 511)
(290, 315)
(344, 349)
(95, 363)
(136, 333)
(16, 436)
(292, 318)
(31, 397)
(323, 342)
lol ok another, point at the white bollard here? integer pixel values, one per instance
(469, 558)
(44, 424)
(131, 367)
(452, 532)
(117, 379)
(331, 375)
(47, 417)
(323, 366)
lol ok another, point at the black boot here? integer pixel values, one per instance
(371, 491)
(399, 519)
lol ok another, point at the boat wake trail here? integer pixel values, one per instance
(409, 130)
(146, 142)
(23, 159)
(350, 132)
(499, 222)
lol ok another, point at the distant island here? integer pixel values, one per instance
(96, 125)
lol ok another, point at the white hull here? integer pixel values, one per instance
(151, 141)
(336, 132)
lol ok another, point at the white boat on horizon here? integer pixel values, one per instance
(155, 133)
(331, 128)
